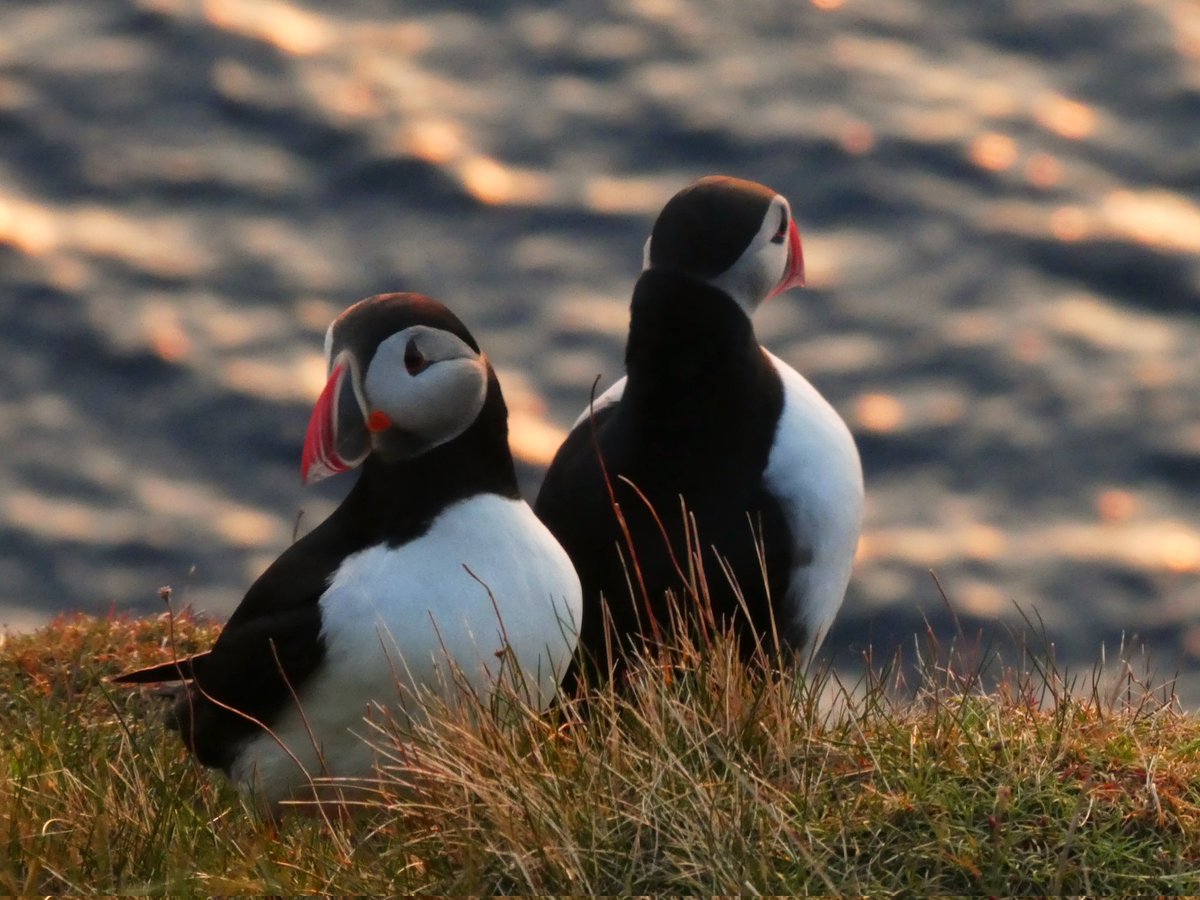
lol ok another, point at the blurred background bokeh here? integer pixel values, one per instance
(1000, 204)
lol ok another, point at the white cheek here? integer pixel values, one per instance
(752, 277)
(775, 265)
(646, 255)
(436, 405)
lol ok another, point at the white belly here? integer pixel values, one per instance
(815, 473)
(399, 621)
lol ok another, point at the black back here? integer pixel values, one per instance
(272, 643)
(697, 421)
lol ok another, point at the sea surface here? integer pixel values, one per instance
(1000, 204)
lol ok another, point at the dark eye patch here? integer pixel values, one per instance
(414, 360)
(781, 231)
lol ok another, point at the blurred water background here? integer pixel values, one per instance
(1000, 204)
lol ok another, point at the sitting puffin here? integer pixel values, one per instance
(707, 421)
(432, 570)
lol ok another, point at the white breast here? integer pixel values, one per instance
(393, 619)
(815, 473)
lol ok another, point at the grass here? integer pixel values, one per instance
(706, 778)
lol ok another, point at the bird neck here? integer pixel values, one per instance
(690, 346)
(397, 501)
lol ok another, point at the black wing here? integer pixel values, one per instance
(175, 670)
(271, 645)
(716, 463)
(574, 503)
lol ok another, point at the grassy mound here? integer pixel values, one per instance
(706, 778)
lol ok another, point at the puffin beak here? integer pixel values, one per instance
(337, 439)
(794, 276)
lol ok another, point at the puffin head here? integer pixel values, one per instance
(405, 376)
(738, 236)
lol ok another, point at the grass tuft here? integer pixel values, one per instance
(954, 773)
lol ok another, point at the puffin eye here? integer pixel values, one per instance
(414, 361)
(782, 230)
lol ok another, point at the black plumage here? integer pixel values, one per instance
(272, 644)
(696, 422)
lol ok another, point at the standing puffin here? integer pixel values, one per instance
(429, 570)
(706, 419)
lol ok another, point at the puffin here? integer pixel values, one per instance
(431, 576)
(712, 485)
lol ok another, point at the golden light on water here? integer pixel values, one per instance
(190, 503)
(164, 333)
(1184, 18)
(1156, 373)
(282, 381)
(822, 268)
(58, 519)
(285, 27)
(1029, 346)
(993, 151)
(315, 313)
(994, 100)
(67, 273)
(974, 327)
(170, 344)
(627, 195)
(656, 10)
(235, 81)
(1086, 317)
(1188, 43)
(352, 99)
(981, 598)
(1148, 545)
(1068, 223)
(1043, 170)
(312, 373)
(857, 138)
(879, 412)
(244, 527)
(984, 542)
(27, 227)
(827, 4)
(1116, 505)
(532, 439)
(1181, 552)
(1158, 218)
(487, 180)
(164, 245)
(1067, 118)
(433, 140)
(490, 182)
(1163, 219)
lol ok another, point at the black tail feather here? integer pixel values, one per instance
(175, 670)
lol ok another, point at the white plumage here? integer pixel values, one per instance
(815, 473)
(393, 619)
